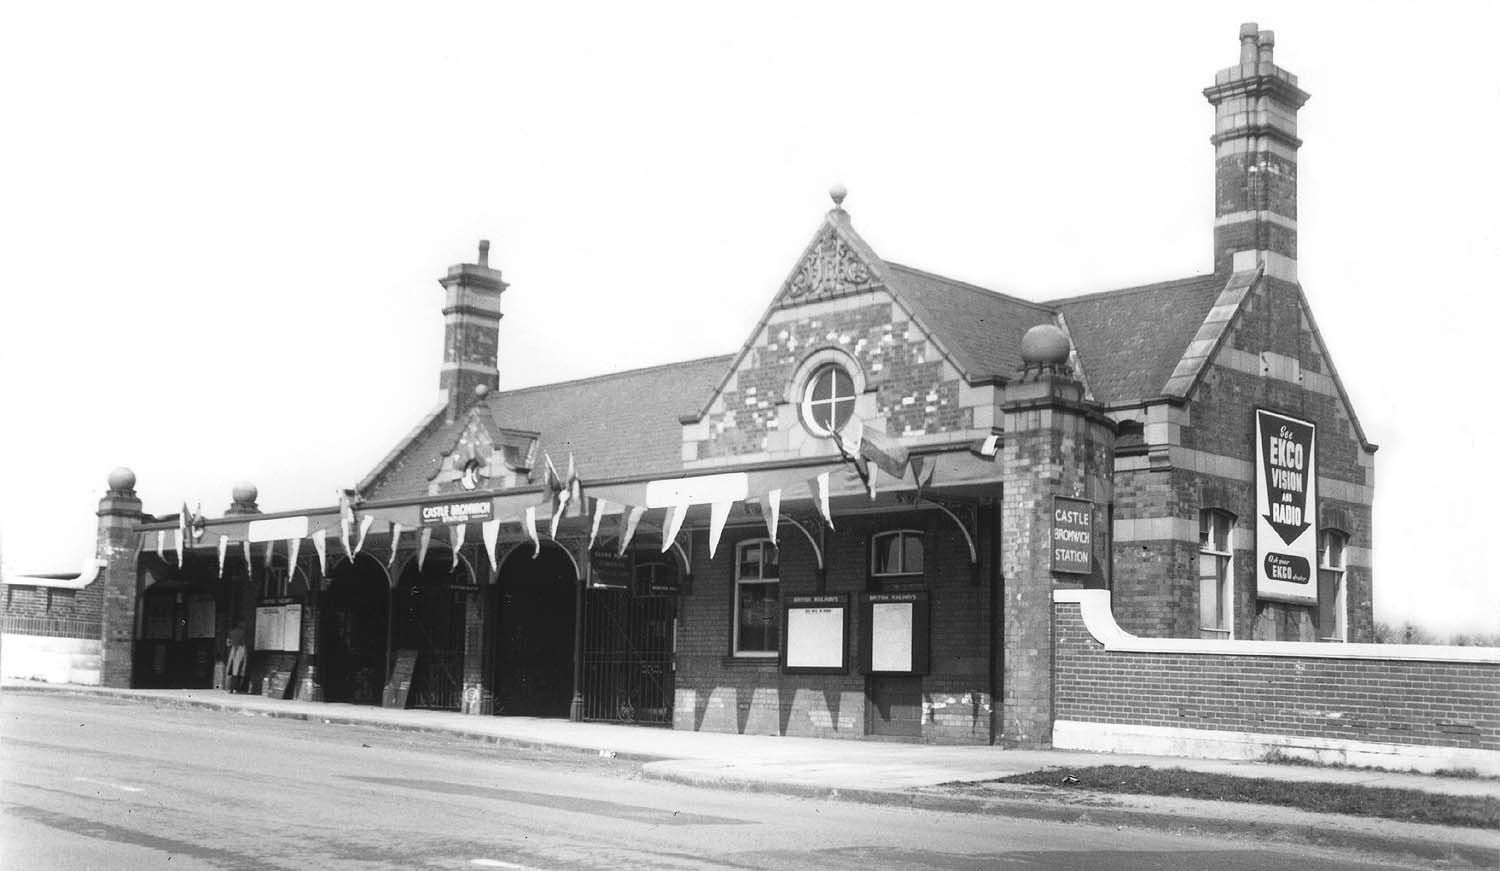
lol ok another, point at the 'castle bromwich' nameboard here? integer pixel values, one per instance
(1286, 508)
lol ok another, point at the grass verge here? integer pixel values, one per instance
(1409, 805)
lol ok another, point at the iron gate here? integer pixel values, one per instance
(628, 642)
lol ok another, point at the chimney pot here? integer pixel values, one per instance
(484, 252)
(1267, 41)
(1248, 49)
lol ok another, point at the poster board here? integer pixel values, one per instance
(268, 621)
(816, 636)
(1286, 506)
(897, 636)
(399, 686)
(278, 627)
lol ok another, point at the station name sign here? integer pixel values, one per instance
(1072, 536)
(446, 513)
(1286, 504)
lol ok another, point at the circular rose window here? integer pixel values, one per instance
(828, 399)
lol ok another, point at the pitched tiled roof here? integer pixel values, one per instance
(619, 424)
(1129, 341)
(982, 329)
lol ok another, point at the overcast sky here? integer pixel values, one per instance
(221, 225)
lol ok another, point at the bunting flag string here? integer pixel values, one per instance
(594, 525)
(456, 535)
(718, 513)
(530, 524)
(423, 540)
(819, 488)
(631, 519)
(395, 545)
(320, 543)
(291, 560)
(490, 531)
(365, 523)
(223, 549)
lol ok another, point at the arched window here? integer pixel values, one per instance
(757, 599)
(828, 399)
(895, 553)
(1215, 578)
(1333, 605)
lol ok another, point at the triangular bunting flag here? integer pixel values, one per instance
(631, 519)
(179, 542)
(291, 560)
(270, 552)
(819, 488)
(346, 522)
(456, 535)
(557, 515)
(161, 544)
(770, 509)
(917, 464)
(423, 540)
(675, 515)
(223, 549)
(529, 522)
(184, 522)
(594, 526)
(320, 543)
(490, 531)
(870, 482)
(395, 546)
(364, 527)
(718, 513)
(248, 560)
(882, 450)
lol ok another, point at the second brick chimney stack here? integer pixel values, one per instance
(1255, 149)
(471, 329)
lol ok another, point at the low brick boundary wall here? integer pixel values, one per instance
(1400, 706)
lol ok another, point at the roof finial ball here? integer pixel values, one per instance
(122, 480)
(1045, 348)
(837, 194)
(244, 493)
(481, 390)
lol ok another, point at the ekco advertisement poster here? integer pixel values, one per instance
(1286, 504)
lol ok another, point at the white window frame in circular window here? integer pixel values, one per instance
(812, 367)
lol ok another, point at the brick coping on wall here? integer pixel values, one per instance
(1099, 619)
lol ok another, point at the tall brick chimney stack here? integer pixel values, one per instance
(471, 329)
(1255, 150)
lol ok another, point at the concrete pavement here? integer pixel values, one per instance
(922, 775)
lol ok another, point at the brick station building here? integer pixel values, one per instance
(853, 525)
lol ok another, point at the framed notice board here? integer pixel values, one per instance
(815, 639)
(897, 633)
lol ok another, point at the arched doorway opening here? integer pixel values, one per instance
(354, 612)
(429, 621)
(534, 602)
(630, 637)
(177, 630)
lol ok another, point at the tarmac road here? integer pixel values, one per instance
(95, 782)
